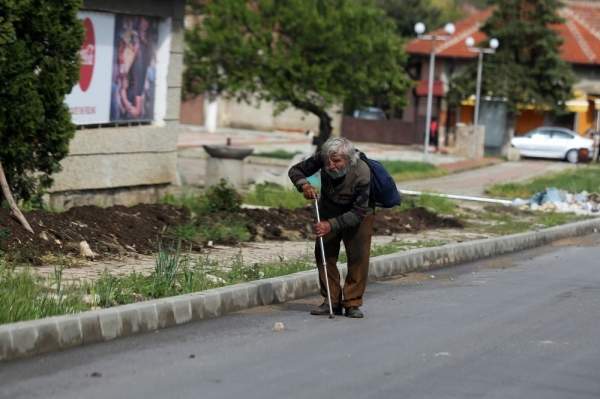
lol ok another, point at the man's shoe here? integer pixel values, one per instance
(354, 312)
(323, 310)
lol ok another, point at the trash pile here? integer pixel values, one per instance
(555, 200)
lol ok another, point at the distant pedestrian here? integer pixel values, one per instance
(433, 133)
(346, 215)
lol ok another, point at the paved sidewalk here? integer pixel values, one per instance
(194, 137)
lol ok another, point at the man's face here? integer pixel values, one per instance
(336, 163)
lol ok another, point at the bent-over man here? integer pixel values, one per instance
(346, 215)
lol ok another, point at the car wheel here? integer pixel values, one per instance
(572, 156)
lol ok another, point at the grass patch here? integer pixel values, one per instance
(499, 220)
(396, 246)
(412, 170)
(27, 296)
(278, 154)
(584, 177)
(273, 195)
(203, 228)
(431, 202)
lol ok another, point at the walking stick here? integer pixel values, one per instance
(324, 262)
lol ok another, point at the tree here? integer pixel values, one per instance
(420, 11)
(307, 54)
(526, 68)
(39, 64)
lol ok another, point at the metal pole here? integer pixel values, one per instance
(324, 261)
(458, 197)
(478, 92)
(429, 100)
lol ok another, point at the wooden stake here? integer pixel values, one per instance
(11, 201)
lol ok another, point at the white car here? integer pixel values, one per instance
(552, 142)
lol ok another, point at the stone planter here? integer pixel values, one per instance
(226, 162)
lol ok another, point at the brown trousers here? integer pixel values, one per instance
(357, 242)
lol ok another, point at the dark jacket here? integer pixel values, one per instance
(344, 202)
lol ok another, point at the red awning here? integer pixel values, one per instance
(422, 86)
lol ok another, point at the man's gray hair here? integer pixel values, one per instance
(340, 146)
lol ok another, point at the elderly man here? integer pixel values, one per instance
(346, 215)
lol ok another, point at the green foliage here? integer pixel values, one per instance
(278, 154)
(39, 64)
(222, 197)
(307, 54)
(526, 68)
(227, 231)
(583, 178)
(409, 170)
(25, 296)
(273, 195)
(433, 13)
(431, 202)
(166, 266)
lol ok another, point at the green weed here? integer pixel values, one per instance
(278, 154)
(431, 202)
(409, 170)
(584, 177)
(273, 195)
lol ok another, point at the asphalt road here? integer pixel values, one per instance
(521, 326)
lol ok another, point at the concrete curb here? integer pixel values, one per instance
(35, 337)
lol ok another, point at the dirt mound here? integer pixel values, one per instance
(113, 230)
(285, 224)
(138, 229)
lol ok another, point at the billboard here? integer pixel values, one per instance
(89, 100)
(117, 78)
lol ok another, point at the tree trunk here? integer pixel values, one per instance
(325, 127)
(16, 212)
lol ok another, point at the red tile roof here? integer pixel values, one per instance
(580, 33)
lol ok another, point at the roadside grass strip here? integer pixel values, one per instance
(275, 196)
(583, 178)
(27, 296)
(412, 170)
(277, 154)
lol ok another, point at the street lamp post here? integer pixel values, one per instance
(470, 42)
(420, 30)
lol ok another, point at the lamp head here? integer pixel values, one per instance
(494, 43)
(419, 28)
(470, 42)
(449, 28)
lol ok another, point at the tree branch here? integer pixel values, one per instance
(16, 212)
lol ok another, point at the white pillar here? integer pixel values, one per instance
(211, 116)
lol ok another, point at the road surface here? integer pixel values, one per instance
(519, 326)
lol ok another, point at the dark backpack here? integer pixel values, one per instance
(384, 192)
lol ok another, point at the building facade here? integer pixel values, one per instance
(580, 33)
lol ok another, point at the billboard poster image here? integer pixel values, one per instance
(134, 68)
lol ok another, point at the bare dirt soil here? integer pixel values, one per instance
(119, 230)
